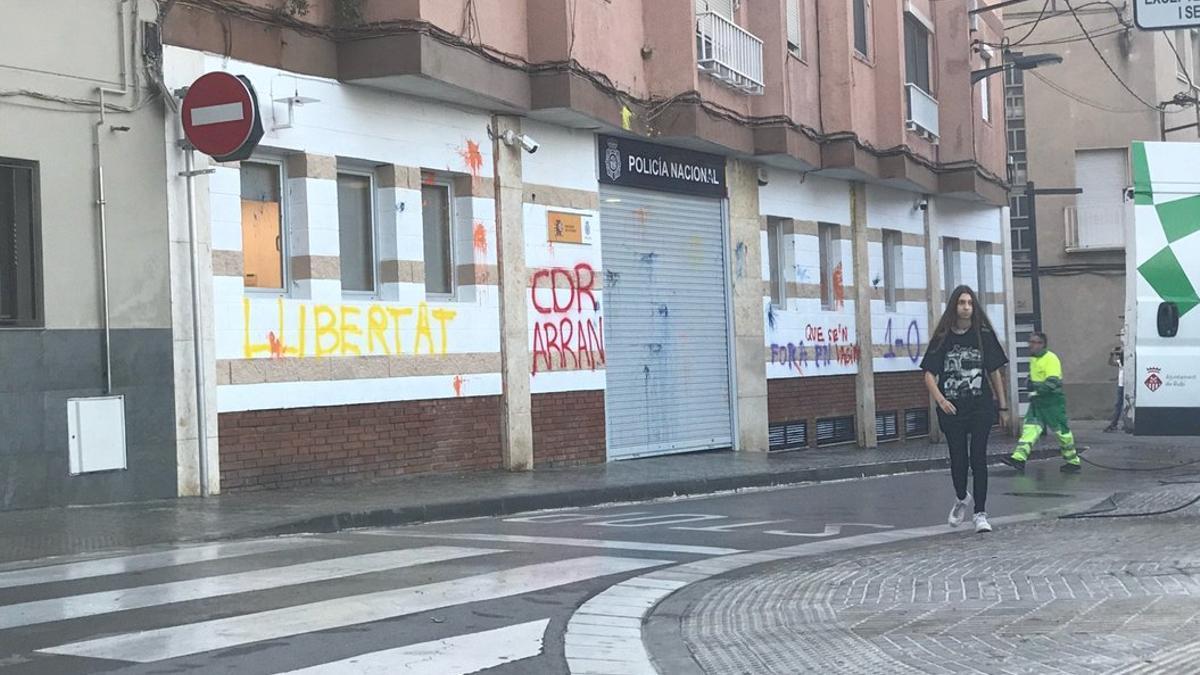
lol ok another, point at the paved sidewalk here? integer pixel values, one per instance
(1078, 596)
(59, 531)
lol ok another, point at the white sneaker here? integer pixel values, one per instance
(959, 512)
(981, 523)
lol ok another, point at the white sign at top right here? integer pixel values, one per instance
(1166, 14)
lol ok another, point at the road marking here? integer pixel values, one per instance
(106, 602)
(831, 530)
(655, 521)
(216, 114)
(726, 528)
(147, 561)
(195, 638)
(563, 541)
(612, 615)
(555, 518)
(456, 655)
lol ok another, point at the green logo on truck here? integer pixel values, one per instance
(1179, 218)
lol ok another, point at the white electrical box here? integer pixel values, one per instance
(96, 432)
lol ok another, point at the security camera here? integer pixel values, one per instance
(921, 204)
(513, 139)
(763, 176)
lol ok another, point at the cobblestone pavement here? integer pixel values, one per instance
(1094, 595)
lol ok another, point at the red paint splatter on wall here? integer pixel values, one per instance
(278, 350)
(839, 292)
(459, 382)
(480, 238)
(473, 158)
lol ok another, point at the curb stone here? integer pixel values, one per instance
(560, 499)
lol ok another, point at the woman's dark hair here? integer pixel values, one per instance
(979, 319)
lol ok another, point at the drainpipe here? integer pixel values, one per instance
(101, 202)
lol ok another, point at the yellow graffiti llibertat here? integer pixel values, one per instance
(396, 314)
(325, 321)
(340, 330)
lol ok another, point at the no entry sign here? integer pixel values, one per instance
(221, 116)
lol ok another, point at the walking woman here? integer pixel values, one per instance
(962, 372)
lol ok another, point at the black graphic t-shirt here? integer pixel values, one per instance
(962, 366)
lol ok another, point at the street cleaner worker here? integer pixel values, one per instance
(1047, 408)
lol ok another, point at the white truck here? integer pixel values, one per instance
(1163, 278)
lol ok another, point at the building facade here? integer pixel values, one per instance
(87, 344)
(1064, 137)
(498, 234)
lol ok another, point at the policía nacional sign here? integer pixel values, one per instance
(637, 164)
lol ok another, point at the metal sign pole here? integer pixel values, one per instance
(189, 174)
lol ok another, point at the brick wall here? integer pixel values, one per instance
(568, 428)
(809, 398)
(897, 392)
(900, 391)
(801, 398)
(307, 446)
(812, 398)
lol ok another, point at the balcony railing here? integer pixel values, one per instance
(1095, 228)
(729, 53)
(922, 112)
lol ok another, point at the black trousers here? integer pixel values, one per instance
(967, 435)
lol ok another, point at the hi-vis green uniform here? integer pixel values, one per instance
(1047, 408)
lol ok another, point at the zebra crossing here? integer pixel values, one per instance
(216, 606)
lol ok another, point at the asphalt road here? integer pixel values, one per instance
(498, 595)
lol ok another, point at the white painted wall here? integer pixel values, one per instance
(562, 261)
(802, 338)
(906, 330)
(817, 198)
(377, 127)
(978, 222)
(60, 138)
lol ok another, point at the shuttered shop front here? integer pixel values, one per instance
(666, 301)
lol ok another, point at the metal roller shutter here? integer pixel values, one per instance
(666, 316)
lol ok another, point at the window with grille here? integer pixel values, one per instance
(264, 222)
(437, 204)
(916, 54)
(916, 422)
(983, 263)
(777, 244)
(723, 7)
(356, 231)
(20, 244)
(862, 29)
(1016, 138)
(951, 272)
(795, 27)
(887, 427)
(789, 435)
(985, 90)
(830, 253)
(893, 257)
(835, 430)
